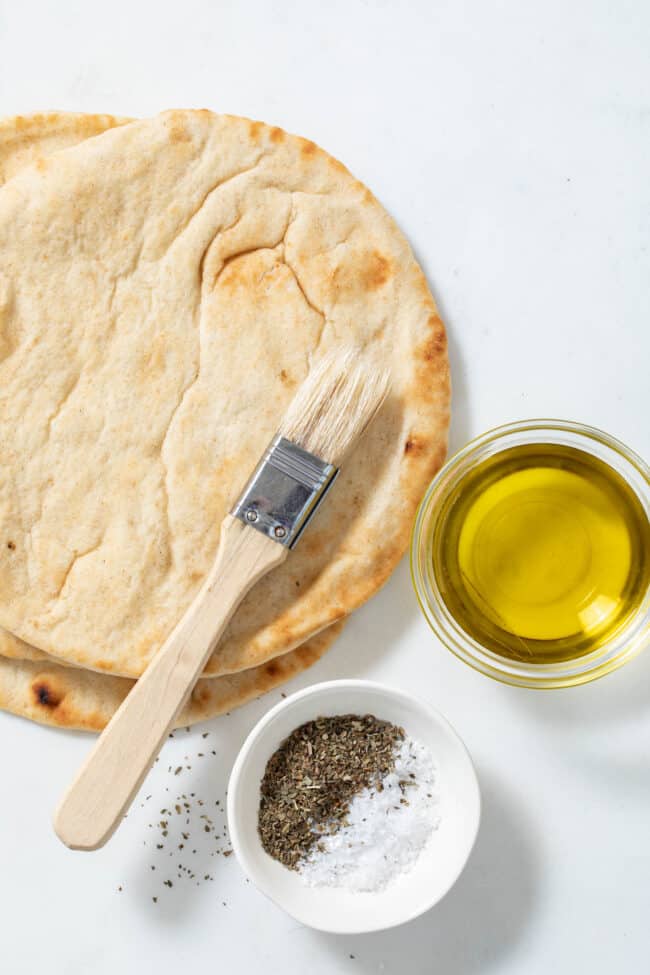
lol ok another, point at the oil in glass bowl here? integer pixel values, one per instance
(542, 552)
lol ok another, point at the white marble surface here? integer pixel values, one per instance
(512, 142)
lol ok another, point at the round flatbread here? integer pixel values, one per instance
(164, 287)
(68, 697)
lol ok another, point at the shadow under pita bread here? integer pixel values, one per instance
(372, 633)
(460, 428)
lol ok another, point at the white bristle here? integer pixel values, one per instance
(335, 404)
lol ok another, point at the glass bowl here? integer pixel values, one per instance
(628, 640)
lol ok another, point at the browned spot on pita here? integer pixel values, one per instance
(92, 722)
(337, 165)
(277, 135)
(254, 130)
(73, 717)
(377, 272)
(312, 544)
(201, 693)
(11, 546)
(272, 669)
(308, 653)
(415, 446)
(178, 130)
(233, 275)
(242, 272)
(308, 148)
(45, 694)
(367, 271)
(285, 378)
(435, 346)
(374, 270)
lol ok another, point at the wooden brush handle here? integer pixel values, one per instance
(113, 772)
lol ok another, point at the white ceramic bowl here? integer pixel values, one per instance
(441, 862)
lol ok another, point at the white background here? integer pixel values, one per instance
(512, 142)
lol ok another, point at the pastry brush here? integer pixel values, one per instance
(329, 412)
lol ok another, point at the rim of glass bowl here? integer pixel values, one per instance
(625, 644)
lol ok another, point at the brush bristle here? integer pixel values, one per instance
(335, 404)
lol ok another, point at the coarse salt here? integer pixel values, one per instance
(387, 828)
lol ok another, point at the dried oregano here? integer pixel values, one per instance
(311, 779)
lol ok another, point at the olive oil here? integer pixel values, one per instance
(542, 552)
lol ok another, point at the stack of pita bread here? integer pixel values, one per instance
(164, 286)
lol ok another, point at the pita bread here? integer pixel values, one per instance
(164, 287)
(68, 697)
(32, 685)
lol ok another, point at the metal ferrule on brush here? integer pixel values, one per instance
(284, 491)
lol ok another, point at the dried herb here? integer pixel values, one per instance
(311, 779)
(177, 828)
